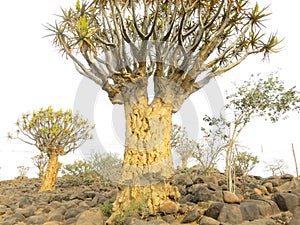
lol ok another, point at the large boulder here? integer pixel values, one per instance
(252, 209)
(287, 201)
(204, 194)
(231, 213)
(296, 217)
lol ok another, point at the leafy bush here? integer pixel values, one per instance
(106, 165)
(79, 169)
(106, 208)
(244, 163)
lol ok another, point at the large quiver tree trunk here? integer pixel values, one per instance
(147, 164)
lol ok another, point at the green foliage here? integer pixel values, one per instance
(79, 168)
(108, 165)
(245, 162)
(106, 208)
(52, 131)
(264, 97)
(135, 207)
(212, 36)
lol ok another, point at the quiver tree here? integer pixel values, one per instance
(54, 133)
(180, 45)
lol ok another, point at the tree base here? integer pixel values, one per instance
(142, 200)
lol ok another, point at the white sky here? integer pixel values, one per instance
(33, 74)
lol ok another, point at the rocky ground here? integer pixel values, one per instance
(205, 201)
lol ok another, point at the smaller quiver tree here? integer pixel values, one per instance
(55, 133)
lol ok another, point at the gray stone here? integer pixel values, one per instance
(91, 217)
(263, 221)
(203, 194)
(27, 212)
(73, 212)
(256, 209)
(205, 220)
(214, 210)
(191, 216)
(296, 217)
(25, 202)
(13, 219)
(169, 218)
(183, 179)
(230, 213)
(287, 201)
(39, 219)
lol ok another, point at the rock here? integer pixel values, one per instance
(135, 221)
(70, 221)
(169, 207)
(214, 210)
(256, 209)
(230, 213)
(205, 220)
(288, 177)
(230, 197)
(287, 201)
(25, 202)
(257, 191)
(203, 194)
(3, 209)
(77, 195)
(183, 179)
(90, 194)
(55, 204)
(191, 216)
(15, 218)
(73, 212)
(260, 222)
(52, 223)
(91, 217)
(169, 218)
(287, 186)
(296, 217)
(269, 187)
(40, 219)
(206, 179)
(27, 212)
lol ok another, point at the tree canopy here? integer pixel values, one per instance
(50, 130)
(126, 41)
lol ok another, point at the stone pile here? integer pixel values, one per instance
(205, 200)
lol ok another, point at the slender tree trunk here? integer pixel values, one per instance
(184, 163)
(41, 172)
(50, 176)
(228, 168)
(147, 159)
